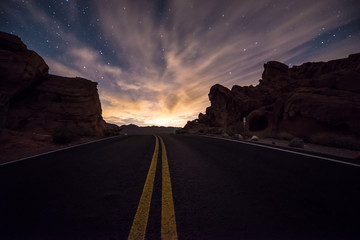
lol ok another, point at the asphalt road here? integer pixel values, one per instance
(220, 190)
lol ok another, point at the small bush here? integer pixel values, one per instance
(285, 136)
(112, 130)
(296, 142)
(63, 136)
(277, 135)
(82, 132)
(333, 140)
(230, 132)
(180, 131)
(246, 135)
(267, 134)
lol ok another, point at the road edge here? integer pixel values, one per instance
(58, 150)
(293, 151)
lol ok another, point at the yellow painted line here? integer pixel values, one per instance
(168, 222)
(138, 228)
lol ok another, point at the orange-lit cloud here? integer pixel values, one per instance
(165, 55)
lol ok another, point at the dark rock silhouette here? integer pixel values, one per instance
(31, 100)
(303, 100)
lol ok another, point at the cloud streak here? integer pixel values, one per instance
(156, 60)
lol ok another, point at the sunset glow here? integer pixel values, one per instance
(155, 61)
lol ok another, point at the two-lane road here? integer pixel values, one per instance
(220, 190)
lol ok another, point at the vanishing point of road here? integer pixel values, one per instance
(178, 187)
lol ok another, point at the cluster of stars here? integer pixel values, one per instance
(324, 37)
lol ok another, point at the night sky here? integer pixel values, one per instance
(155, 61)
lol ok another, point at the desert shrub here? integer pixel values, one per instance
(112, 130)
(63, 135)
(214, 130)
(110, 133)
(82, 132)
(267, 134)
(277, 135)
(230, 132)
(180, 131)
(333, 140)
(246, 134)
(285, 136)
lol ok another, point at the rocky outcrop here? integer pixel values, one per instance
(303, 100)
(31, 100)
(19, 69)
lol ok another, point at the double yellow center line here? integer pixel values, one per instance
(168, 223)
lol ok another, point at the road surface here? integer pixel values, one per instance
(178, 186)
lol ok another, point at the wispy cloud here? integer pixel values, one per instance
(156, 60)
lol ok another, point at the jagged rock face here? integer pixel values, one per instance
(32, 100)
(57, 102)
(19, 69)
(303, 100)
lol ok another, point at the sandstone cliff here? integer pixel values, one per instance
(303, 100)
(33, 101)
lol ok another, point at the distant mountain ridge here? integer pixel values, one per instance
(305, 100)
(134, 129)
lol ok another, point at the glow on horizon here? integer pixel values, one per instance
(155, 61)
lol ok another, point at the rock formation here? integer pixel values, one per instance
(31, 100)
(303, 100)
